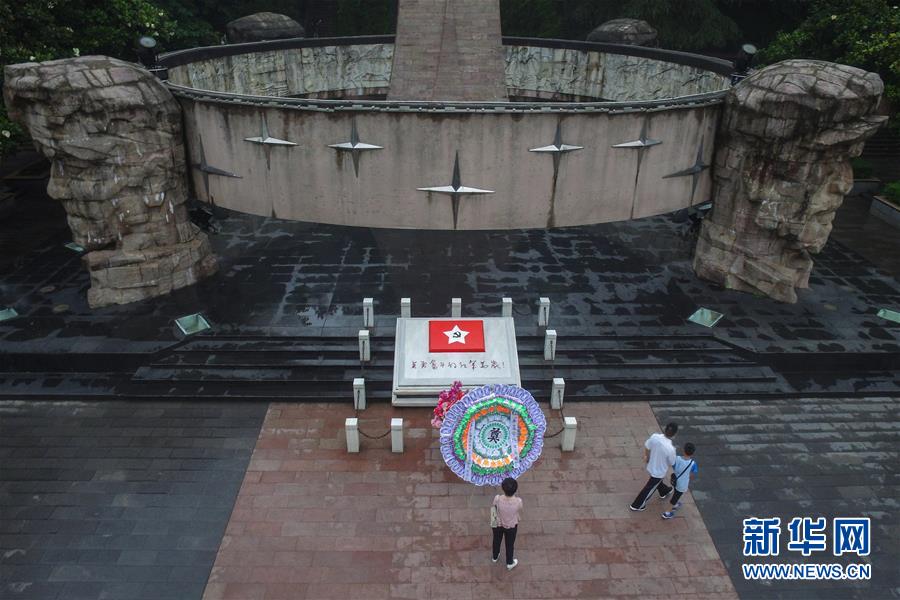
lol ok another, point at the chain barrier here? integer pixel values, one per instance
(362, 368)
(562, 416)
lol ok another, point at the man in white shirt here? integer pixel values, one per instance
(659, 454)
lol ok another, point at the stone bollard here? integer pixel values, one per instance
(544, 312)
(456, 308)
(368, 313)
(405, 308)
(351, 426)
(397, 435)
(550, 344)
(507, 307)
(359, 393)
(570, 425)
(557, 392)
(365, 349)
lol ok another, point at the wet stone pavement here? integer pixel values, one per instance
(813, 457)
(279, 278)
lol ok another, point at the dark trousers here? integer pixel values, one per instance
(654, 483)
(676, 496)
(510, 535)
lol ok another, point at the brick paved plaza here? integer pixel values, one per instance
(311, 521)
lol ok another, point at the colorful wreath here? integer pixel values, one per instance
(493, 432)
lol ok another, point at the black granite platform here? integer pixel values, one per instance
(118, 500)
(278, 280)
(813, 457)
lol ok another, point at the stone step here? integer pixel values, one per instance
(524, 343)
(337, 375)
(350, 360)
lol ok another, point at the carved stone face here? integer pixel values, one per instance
(782, 170)
(112, 135)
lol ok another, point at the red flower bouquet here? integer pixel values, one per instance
(446, 399)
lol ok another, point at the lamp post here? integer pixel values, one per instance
(146, 53)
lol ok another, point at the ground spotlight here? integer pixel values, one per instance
(890, 315)
(706, 317)
(191, 324)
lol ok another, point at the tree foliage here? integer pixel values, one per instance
(860, 33)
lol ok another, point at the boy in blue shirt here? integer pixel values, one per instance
(681, 477)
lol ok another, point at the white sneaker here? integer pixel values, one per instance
(493, 560)
(513, 565)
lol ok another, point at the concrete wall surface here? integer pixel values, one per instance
(312, 182)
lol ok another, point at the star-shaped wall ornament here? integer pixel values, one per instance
(354, 146)
(641, 145)
(208, 170)
(693, 171)
(557, 148)
(642, 142)
(265, 138)
(456, 335)
(455, 190)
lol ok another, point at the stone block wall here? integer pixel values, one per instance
(448, 50)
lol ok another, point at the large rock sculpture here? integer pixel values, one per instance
(782, 168)
(262, 26)
(112, 132)
(632, 32)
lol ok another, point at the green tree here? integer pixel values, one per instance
(682, 24)
(860, 33)
(34, 30)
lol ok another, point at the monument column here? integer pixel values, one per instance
(448, 50)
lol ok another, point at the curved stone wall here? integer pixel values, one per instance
(272, 156)
(554, 73)
(314, 72)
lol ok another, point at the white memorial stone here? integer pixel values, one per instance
(456, 308)
(420, 375)
(351, 426)
(557, 392)
(365, 349)
(543, 312)
(570, 426)
(507, 307)
(405, 307)
(397, 435)
(368, 313)
(550, 344)
(359, 393)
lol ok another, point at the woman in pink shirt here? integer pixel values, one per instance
(508, 509)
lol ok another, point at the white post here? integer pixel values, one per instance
(543, 312)
(550, 344)
(359, 393)
(351, 426)
(396, 435)
(557, 392)
(507, 307)
(405, 308)
(456, 308)
(368, 313)
(570, 425)
(365, 350)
